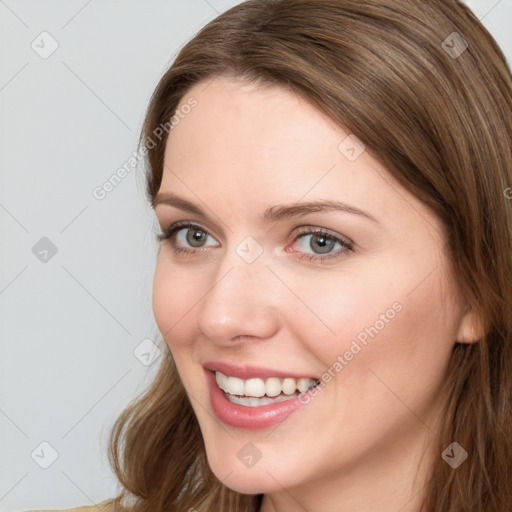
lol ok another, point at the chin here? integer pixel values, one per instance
(265, 476)
(248, 481)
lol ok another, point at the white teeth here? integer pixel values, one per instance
(254, 387)
(273, 386)
(303, 385)
(289, 386)
(236, 385)
(257, 388)
(222, 380)
(256, 402)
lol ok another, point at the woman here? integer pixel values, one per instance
(331, 181)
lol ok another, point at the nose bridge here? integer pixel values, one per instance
(239, 301)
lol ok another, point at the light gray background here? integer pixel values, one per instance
(69, 326)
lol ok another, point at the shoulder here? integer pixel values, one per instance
(100, 507)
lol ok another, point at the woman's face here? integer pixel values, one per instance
(265, 286)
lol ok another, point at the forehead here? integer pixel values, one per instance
(265, 134)
(239, 116)
(244, 146)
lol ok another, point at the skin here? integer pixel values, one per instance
(357, 445)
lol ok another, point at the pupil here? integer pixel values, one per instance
(322, 242)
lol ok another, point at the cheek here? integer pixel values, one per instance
(404, 354)
(339, 311)
(174, 296)
(165, 298)
(175, 293)
(380, 321)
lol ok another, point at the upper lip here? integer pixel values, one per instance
(243, 371)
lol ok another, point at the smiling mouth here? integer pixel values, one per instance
(257, 392)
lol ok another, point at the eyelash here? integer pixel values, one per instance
(169, 234)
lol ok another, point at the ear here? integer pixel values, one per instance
(470, 328)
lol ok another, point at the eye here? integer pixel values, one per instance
(193, 236)
(314, 244)
(319, 244)
(186, 237)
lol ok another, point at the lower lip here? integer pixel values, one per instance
(249, 418)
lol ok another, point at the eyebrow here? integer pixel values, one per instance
(272, 214)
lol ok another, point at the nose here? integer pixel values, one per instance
(240, 305)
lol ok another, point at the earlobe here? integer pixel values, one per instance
(470, 328)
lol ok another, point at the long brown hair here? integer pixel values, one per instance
(438, 116)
